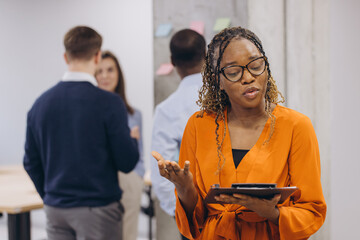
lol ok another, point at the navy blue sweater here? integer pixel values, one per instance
(77, 138)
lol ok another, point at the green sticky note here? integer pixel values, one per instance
(221, 23)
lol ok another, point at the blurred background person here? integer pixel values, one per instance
(110, 78)
(77, 139)
(188, 50)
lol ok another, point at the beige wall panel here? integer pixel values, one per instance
(266, 20)
(321, 92)
(299, 34)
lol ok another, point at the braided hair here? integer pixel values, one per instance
(213, 100)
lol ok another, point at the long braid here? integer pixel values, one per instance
(220, 113)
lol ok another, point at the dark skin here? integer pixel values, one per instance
(186, 71)
(246, 120)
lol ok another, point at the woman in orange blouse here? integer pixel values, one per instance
(241, 135)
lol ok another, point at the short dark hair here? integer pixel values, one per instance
(82, 43)
(188, 48)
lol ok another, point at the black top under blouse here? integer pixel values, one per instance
(238, 155)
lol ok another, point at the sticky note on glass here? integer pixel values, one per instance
(165, 69)
(197, 26)
(221, 23)
(163, 30)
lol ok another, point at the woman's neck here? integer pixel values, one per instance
(248, 118)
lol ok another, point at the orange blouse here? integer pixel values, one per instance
(290, 158)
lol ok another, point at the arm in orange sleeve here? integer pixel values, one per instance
(190, 227)
(306, 212)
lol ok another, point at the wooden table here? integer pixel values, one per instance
(18, 197)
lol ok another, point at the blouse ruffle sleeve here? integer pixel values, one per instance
(307, 209)
(190, 229)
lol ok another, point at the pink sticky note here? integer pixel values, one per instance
(197, 26)
(164, 69)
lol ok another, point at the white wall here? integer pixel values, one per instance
(31, 61)
(345, 121)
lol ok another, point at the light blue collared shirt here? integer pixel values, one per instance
(170, 119)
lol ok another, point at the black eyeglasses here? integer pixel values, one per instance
(234, 73)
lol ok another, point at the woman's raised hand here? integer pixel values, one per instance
(182, 179)
(170, 170)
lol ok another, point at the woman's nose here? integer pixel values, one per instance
(103, 74)
(247, 77)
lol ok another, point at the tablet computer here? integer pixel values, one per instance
(260, 190)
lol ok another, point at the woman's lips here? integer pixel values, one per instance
(251, 93)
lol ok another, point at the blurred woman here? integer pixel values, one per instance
(110, 78)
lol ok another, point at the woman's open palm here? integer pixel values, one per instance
(171, 170)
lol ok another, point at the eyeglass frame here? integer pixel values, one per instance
(243, 68)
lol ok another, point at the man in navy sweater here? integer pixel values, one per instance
(77, 138)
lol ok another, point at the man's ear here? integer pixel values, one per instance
(66, 58)
(98, 57)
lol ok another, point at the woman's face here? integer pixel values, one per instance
(249, 91)
(107, 75)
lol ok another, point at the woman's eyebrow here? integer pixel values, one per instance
(253, 57)
(230, 63)
(235, 63)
